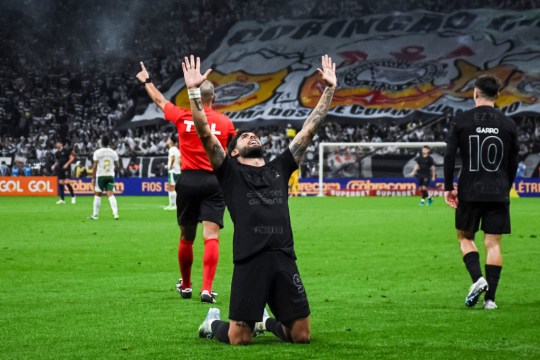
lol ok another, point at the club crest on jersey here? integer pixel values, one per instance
(487, 130)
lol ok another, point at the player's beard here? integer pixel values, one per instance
(252, 152)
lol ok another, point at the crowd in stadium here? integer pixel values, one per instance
(52, 85)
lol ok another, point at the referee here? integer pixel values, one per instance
(488, 145)
(199, 197)
(256, 195)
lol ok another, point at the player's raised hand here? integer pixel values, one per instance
(450, 197)
(192, 72)
(143, 74)
(328, 71)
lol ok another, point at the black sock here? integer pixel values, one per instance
(493, 273)
(424, 194)
(277, 329)
(70, 188)
(472, 262)
(220, 329)
(61, 191)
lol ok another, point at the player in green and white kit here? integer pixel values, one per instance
(173, 167)
(105, 162)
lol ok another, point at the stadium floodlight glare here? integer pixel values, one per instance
(369, 145)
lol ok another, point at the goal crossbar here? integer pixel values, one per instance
(322, 145)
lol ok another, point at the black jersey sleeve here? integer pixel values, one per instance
(221, 172)
(450, 156)
(287, 163)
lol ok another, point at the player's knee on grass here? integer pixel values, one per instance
(299, 331)
(240, 333)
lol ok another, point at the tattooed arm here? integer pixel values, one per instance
(302, 140)
(194, 79)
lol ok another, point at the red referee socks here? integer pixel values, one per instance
(185, 259)
(210, 261)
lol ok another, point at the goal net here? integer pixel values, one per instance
(375, 169)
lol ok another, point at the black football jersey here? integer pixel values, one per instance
(62, 156)
(257, 199)
(424, 166)
(487, 142)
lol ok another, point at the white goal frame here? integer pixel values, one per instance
(322, 145)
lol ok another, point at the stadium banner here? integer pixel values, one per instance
(357, 187)
(347, 187)
(28, 186)
(389, 65)
(48, 186)
(125, 186)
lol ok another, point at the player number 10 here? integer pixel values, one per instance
(487, 154)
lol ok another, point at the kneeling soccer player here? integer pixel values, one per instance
(256, 194)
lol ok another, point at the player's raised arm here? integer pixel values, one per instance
(193, 78)
(156, 96)
(302, 140)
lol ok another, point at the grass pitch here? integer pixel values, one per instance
(384, 278)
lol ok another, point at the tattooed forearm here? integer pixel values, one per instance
(218, 155)
(198, 104)
(311, 125)
(315, 119)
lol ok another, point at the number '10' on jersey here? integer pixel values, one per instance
(487, 143)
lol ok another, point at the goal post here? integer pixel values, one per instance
(370, 148)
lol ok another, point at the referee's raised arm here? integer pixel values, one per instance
(193, 79)
(156, 96)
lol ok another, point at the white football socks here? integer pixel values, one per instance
(114, 205)
(172, 198)
(97, 205)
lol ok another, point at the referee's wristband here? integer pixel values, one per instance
(147, 81)
(194, 93)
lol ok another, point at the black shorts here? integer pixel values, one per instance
(270, 277)
(495, 217)
(424, 181)
(63, 173)
(199, 198)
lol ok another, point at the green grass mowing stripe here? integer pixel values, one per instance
(384, 278)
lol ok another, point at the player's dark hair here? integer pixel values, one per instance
(426, 147)
(174, 138)
(488, 85)
(105, 141)
(234, 141)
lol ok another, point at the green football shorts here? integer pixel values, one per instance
(104, 183)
